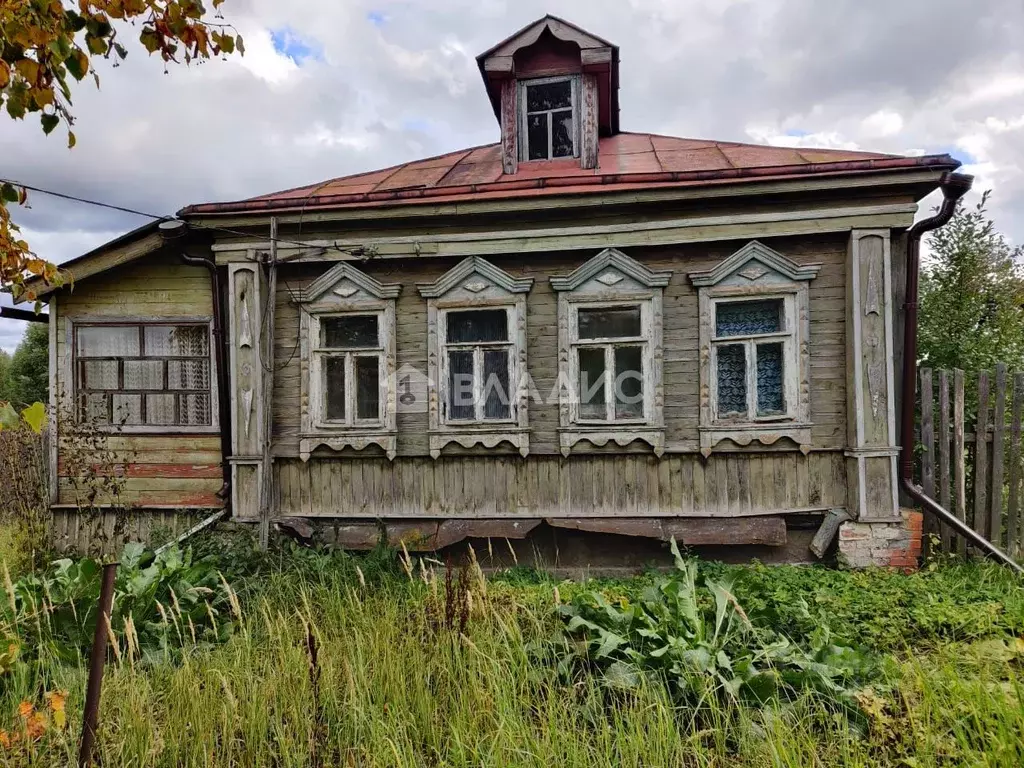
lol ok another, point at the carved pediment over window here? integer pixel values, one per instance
(476, 357)
(754, 362)
(347, 322)
(344, 282)
(611, 269)
(755, 263)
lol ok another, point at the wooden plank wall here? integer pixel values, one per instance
(159, 470)
(106, 531)
(726, 485)
(975, 473)
(827, 339)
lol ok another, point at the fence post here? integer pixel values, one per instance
(995, 502)
(959, 458)
(927, 395)
(1013, 503)
(981, 457)
(97, 657)
(945, 498)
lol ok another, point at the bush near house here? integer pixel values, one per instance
(328, 659)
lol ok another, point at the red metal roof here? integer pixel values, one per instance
(626, 161)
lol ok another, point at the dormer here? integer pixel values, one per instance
(554, 89)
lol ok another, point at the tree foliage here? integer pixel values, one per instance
(27, 379)
(48, 45)
(972, 295)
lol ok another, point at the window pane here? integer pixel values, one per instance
(561, 134)
(592, 369)
(127, 409)
(350, 332)
(160, 409)
(609, 323)
(497, 404)
(743, 318)
(194, 409)
(548, 96)
(769, 380)
(732, 379)
(478, 325)
(177, 340)
(94, 409)
(108, 341)
(537, 137)
(629, 383)
(143, 374)
(334, 381)
(460, 385)
(99, 374)
(188, 374)
(367, 387)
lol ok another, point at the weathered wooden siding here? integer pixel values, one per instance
(159, 470)
(106, 531)
(679, 485)
(827, 339)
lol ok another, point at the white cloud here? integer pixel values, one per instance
(884, 122)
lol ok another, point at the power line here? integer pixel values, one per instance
(360, 251)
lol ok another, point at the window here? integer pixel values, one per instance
(610, 348)
(478, 356)
(349, 398)
(754, 366)
(348, 356)
(548, 118)
(144, 375)
(610, 353)
(751, 344)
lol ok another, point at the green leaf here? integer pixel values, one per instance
(9, 193)
(35, 417)
(8, 417)
(49, 122)
(622, 676)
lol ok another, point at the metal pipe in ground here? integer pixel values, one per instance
(98, 656)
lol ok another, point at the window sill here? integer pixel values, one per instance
(485, 435)
(357, 438)
(763, 432)
(620, 434)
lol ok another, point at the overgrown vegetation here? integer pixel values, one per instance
(338, 660)
(23, 496)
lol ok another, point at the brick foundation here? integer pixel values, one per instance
(888, 544)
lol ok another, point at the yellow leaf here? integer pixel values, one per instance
(25, 709)
(71, 140)
(35, 417)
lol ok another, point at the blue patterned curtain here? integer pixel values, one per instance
(769, 380)
(732, 379)
(744, 318)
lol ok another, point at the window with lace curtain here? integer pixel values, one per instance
(750, 351)
(144, 375)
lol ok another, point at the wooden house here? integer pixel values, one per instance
(569, 337)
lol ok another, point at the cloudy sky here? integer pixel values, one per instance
(332, 87)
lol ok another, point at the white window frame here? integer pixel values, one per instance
(524, 133)
(318, 372)
(756, 273)
(477, 347)
(345, 291)
(608, 344)
(475, 283)
(70, 368)
(749, 342)
(610, 280)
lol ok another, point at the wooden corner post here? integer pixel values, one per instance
(870, 384)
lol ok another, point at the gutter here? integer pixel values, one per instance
(172, 230)
(954, 186)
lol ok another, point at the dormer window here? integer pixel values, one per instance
(548, 109)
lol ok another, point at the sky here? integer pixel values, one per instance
(332, 87)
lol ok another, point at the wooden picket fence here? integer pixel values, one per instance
(970, 454)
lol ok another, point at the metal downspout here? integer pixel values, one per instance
(953, 186)
(172, 230)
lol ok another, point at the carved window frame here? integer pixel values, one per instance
(757, 273)
(475, 283)
(608, 280)
(346, 290)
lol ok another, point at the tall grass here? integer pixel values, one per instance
(24, 498)
(397, 681)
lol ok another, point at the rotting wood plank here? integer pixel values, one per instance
(998, 447)
(1013, 523)
(959, 457)
(945, 496)
(981, 463)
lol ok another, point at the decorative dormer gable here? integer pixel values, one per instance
(554, 89)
